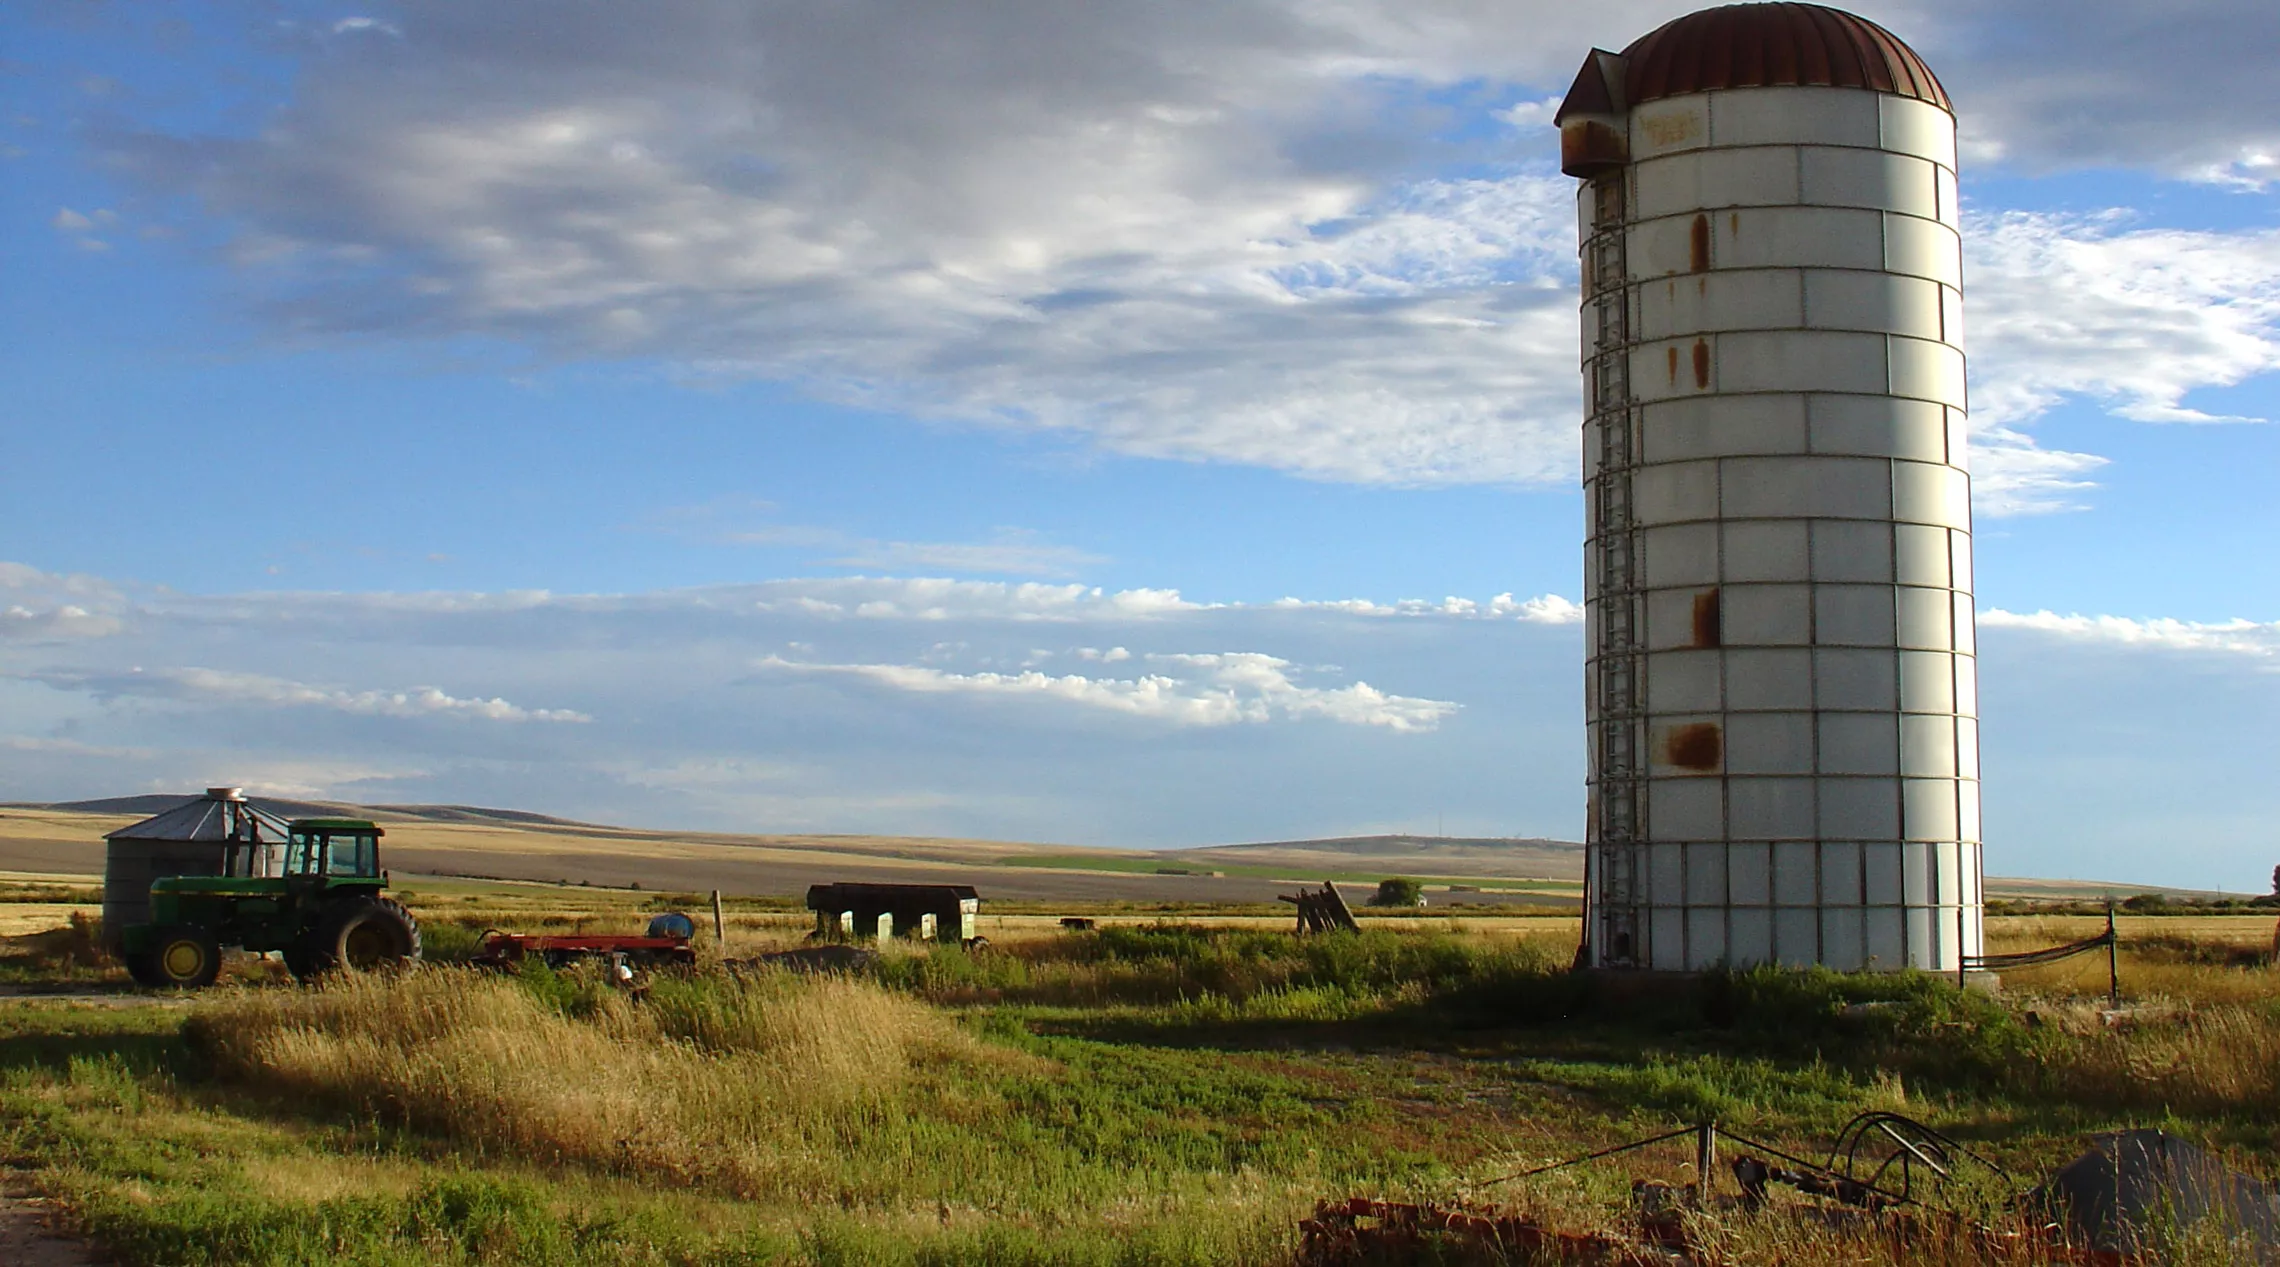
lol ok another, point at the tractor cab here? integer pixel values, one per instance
(334, 849)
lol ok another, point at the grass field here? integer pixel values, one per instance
(1174, 1087)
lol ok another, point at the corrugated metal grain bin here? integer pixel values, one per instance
(220, 833)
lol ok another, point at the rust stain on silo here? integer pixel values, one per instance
(1673, 365)
(1701, 364)
(1698, 248)
(1695, 746)
(1734, 223)
(1708, 628)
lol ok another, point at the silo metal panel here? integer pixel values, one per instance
(1797, 936)
(1751, 299)
(1907, 126)
(1705, 939)
(1967, 809)
(1842, 941)
(1769, 809)
(1667, 127)
(1768, 678)
(1795, 116)
(1946, 887)
(1967, 760)
(1927, 809)
(1927, 744)
(1927, 682)
(1864, 807)
(1958, 439)
(1839, 299)
(1959, 559)
(1852, 615)
(1834, 177)
(1967, 685)
(1920, 554)
(1951, 316)
(1671, 623)
(1750, 936)
(1721, 426)
(1859, 807)
(1950, 206)
(1805, 488)
(1926, 618)
(1919, 248)
(1683, 682)
(1766, 550)
(1844, 678)
(1922, 953)
(1925, 493)
(1686, 809)
(1840, 873)
(1966, 627)
(1749, 874)
(1880, 874)
(1798, 237)
(1663, 248)
(1794, 880)
(1916, 874)
(1765, 615)
(1673, 492)
(1692, 181)
(1857, 550)
(1769, 743)
(1666, 937)
(1886, 937)
(1666, 874)
(1878, 426)
(1706, 875)
(1685, 554)
(1925, 369)
(1860, 743)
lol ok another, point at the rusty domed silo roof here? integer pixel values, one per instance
(1774, 45)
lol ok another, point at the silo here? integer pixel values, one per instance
(1780, 697)
(220, 833)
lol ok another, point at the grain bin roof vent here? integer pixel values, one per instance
(222, 814)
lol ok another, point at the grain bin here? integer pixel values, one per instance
(220, 833)
(1780, 687)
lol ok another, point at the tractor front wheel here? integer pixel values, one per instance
(364, 933)
(185, 957)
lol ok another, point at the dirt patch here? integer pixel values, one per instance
(29, 1236)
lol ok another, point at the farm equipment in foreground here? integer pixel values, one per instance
(325, 910)
(668, 940)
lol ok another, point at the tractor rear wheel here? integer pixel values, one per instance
(183, 956)
(361, 934)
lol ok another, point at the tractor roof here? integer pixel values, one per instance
(337, 825)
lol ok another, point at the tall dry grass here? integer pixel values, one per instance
(761, 1086)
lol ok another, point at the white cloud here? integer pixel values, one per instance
(2237, 637)
(228, 686)
(37, 606)
(1202, 690)
(2134, 319)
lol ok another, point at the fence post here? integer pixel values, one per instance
(720, 926)
(1705, 1158)
(2113, 961)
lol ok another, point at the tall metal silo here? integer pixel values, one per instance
(1780, 692)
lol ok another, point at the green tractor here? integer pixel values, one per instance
(324, 910)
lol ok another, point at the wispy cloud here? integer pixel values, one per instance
(2237, 637)
(225, 686)
(1221, 689)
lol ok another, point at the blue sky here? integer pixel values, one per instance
(1108, 424)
